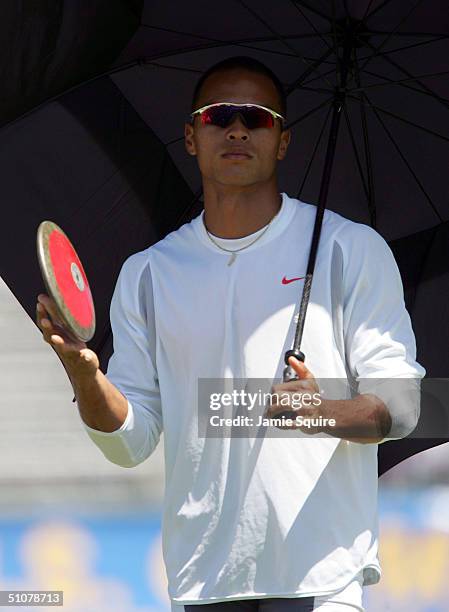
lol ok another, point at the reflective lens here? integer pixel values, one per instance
(252, 116)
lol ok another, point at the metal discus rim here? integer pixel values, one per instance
(45, 229)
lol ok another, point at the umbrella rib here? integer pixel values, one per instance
(313, 89)
(334, 36)
(316, 78)
(412, 46)
(414, 34)
(171, 142)
(239, 43)
(409, 74)
(378, 8)
(180, 68)
(399, 82)
(105, 182)
(313, 10)
(399, 118)
(116, 204)
(121, 125)
(107, 331)
(367, 149)
(189, 207)
(402, 156)
(356, 153)
(106, 73)
(299, 119)
(309, 70)
(322, 90)
(309, 165)
(366, 13)
(384, 42)
(280, 38)
(310, 23)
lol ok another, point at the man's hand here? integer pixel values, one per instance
(78, 360)
(307, 408)
(364, 419)
(101, 405)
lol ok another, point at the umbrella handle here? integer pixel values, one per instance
(289, 373)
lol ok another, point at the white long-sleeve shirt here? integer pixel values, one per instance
(251, 517)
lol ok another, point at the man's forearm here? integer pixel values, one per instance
(101, 405)
(364, 418)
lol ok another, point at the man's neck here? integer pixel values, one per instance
(238, 213)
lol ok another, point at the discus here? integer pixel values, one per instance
(66, 280)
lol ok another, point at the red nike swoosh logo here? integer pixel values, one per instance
(285, 281)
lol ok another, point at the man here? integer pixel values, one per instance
(252, 523)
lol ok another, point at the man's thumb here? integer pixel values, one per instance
(299, 367)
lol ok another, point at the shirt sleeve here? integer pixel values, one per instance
(132, 368)
(380, 344)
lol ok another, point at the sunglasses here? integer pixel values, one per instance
(253, 115)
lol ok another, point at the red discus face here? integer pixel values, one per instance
(66, 280)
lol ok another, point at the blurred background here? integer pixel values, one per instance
(72, 521)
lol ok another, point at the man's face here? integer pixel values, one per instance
(236, 155)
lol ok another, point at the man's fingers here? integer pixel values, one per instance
(292, 386)
(48, 320)
(276, 409)
(47, 326)
(73, 352)
(56, 340)
(40, 313)
(47, 330)
(300, 368)
(43, 322)
(50, 307)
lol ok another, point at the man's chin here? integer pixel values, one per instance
(237, 180)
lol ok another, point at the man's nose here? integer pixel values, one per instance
(237, 129)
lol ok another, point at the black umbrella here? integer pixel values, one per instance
(93, 108)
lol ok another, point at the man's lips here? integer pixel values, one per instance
(236, 155)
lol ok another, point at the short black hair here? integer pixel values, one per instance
(248, 63)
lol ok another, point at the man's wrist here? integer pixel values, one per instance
(364, 418)
(314, 418)
(83, 379)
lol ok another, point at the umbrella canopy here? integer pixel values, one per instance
(92, 137)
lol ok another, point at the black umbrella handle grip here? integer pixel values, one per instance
(289, 373)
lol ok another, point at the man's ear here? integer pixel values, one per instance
(189, 140)
(283, 144)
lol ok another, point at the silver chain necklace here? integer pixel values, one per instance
(235, 251)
